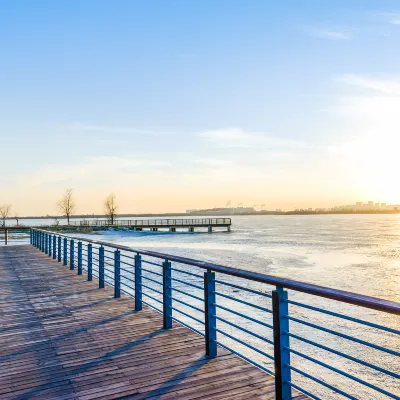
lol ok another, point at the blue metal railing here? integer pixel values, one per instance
(323, 349)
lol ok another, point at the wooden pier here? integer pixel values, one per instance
(64, 338)
(169, 224)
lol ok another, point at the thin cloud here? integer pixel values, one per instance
(110, 130)
(392, 18)
(92, 169)
(324, 33)
(387, 85)
(235, 137)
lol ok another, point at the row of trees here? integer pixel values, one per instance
(67, 205)
(5, 212)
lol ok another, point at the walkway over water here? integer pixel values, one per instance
(154, 224)
(64, 338)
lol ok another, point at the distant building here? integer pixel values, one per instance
(222, 211)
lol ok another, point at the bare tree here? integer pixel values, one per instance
(67, 204)
(110, 207)
(16, 217)
(5, 210)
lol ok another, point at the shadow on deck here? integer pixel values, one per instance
(63, 338)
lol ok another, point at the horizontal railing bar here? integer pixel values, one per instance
(334, 294)
(129, 294)
(152, 280)
(151, 297)
(150, 288)
(128, 279)
(187, 273)
(188, 315)
(188, 305)
(243, 302)
(125, 263)
(124, 284)
(340, 372)
(152, 306)
(127, 270)
(187, 294)
(244, 330)
(151, 272)
(152, 263)
(335, 389)
(188, 326)
(245, 358)
(244, 316)
(306, 392)
(187, 283)
(124, 255)
(359, 321)
(339, 353)
(108, 276)
(245, 344)
(374, 346)
(242, 288)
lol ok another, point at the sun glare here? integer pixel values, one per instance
(376, 165)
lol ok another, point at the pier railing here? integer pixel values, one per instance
(13, 234)
(164, 222)
(323, 342)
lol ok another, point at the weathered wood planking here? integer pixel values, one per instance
(63, 338)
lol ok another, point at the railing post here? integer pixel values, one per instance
(210, 313)
(101, 267)
(54, 247)
(50, 245)
(167, 295)
(117, 274)
(65, 254)
(90, 262)
(138, 282)
(71, 254)
(280, 310)
(79, 258)
(59, 249)
(31, 240)
(46, 243)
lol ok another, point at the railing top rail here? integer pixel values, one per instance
(322, 291)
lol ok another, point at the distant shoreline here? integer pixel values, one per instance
(185, 215)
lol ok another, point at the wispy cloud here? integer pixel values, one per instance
(110, 130)
(235, 137)
(384, 85)
(324, 33)
(389, 17)
(92, 169)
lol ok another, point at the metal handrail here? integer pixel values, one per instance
(206, 315)
(322, 291)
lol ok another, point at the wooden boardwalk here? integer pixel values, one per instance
(63, 338)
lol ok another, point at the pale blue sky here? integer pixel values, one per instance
(189, 104)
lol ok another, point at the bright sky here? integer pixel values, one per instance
(188, 104)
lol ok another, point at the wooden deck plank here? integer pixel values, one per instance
(63, 338)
